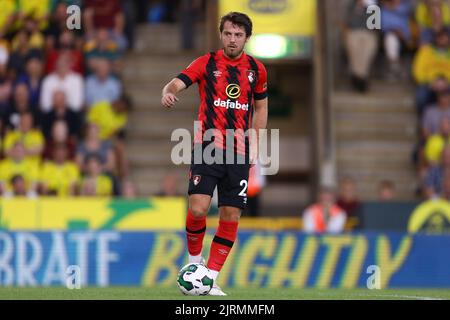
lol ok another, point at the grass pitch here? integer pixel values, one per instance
(137, 293)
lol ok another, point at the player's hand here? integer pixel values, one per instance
(168, 100)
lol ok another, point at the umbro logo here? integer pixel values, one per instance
(217, 73)
(223, 252)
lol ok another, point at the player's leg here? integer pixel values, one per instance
(224, 238)
(202, 183)
(223, 243)
(196, 225)
(232, 191)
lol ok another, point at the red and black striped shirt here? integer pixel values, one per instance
(227, 91)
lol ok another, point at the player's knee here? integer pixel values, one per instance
(198, 210)
(230, 215)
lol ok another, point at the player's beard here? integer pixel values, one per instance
(233, 53)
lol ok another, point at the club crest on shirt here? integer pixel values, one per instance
(251, 75)
(196, 179)
(217, 73)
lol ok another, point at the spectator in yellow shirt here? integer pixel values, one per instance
(37, 39)
(32, 138)
(431, 69)
(59, 176)
(431, 16)
(437, 142)
(111, 119)
(8, 14)
(39, 10)
(17, 164)
(95, 183)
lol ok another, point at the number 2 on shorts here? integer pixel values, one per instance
(243, 192)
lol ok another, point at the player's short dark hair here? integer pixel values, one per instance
(239, 19)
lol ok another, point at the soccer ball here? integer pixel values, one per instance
(195, 279)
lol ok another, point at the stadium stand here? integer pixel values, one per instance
(384, 124)
(54, 85)
(40, 60)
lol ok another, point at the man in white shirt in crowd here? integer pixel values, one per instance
(63, 79)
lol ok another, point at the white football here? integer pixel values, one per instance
(195, 279)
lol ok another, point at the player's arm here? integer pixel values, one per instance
(169, 92)
(187, 77)
(260, 112)
(259, 122)
(260, 115)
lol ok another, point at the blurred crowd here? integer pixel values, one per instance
(405, 28)
(63, 109)
(340, 209)
(411, 44)
(414, 41)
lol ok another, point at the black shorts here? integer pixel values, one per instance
(231, 181)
